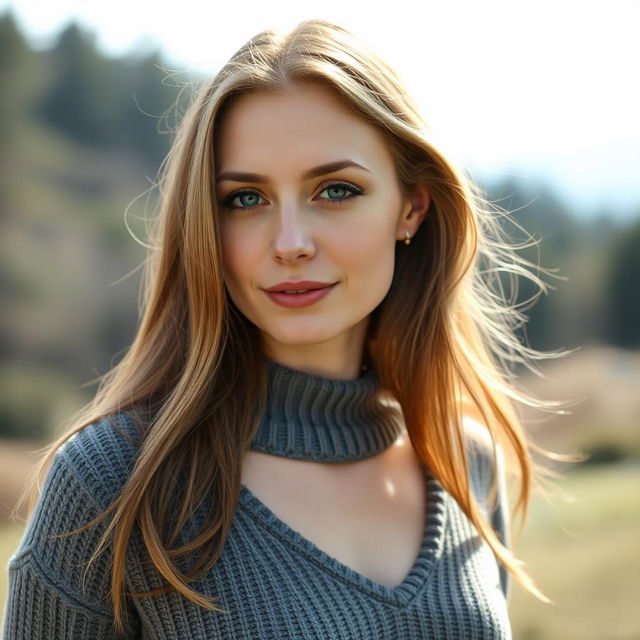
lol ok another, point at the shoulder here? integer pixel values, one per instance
(86, 474)
(480, 453)
(84, 477)
(101, 455)
(486, 466)
(484, 469)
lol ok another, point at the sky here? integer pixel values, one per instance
(534, 89)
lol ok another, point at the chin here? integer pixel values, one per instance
(302, 335)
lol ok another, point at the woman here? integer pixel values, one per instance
(310, 434)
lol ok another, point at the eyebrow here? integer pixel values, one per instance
(314, 172)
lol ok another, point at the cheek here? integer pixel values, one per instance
(367, 253)
(237, 252)
(239, 271)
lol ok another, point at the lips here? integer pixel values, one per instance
(307, 293)
(298, 286)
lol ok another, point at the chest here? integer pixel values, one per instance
(369, 515)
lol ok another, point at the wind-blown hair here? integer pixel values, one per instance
(442, 341)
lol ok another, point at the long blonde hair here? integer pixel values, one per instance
(442, 341)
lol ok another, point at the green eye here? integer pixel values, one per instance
(247, 198)
(338, 190)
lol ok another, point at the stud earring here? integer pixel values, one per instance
(407, 240)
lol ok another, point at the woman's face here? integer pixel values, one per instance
(308, 192)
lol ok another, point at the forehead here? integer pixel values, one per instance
(307, 123)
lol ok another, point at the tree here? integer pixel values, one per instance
(80, 100)
(16, 76)
(622, 289)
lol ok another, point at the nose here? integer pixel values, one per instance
(292, 239)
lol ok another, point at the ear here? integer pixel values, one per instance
(415, 207)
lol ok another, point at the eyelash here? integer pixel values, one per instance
(354, 191)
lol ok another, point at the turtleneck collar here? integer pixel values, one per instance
(310, 417)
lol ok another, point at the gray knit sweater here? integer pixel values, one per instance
(272, 583)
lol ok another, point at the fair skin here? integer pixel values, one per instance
(294, 231)
(293, 227)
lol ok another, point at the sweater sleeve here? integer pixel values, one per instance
(48, 594)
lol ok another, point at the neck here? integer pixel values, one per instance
(340, 358)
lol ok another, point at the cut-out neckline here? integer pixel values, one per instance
(400, 595)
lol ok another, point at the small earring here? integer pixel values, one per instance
(407, 240)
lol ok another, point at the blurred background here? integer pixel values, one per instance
(538, 100)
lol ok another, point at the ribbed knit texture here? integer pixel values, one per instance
(272, 583)
(310, 417)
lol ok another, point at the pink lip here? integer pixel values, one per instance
(290, 285)
(296, 300)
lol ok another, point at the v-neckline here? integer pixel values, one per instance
(400, 595)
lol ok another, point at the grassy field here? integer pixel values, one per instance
(583, 555)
